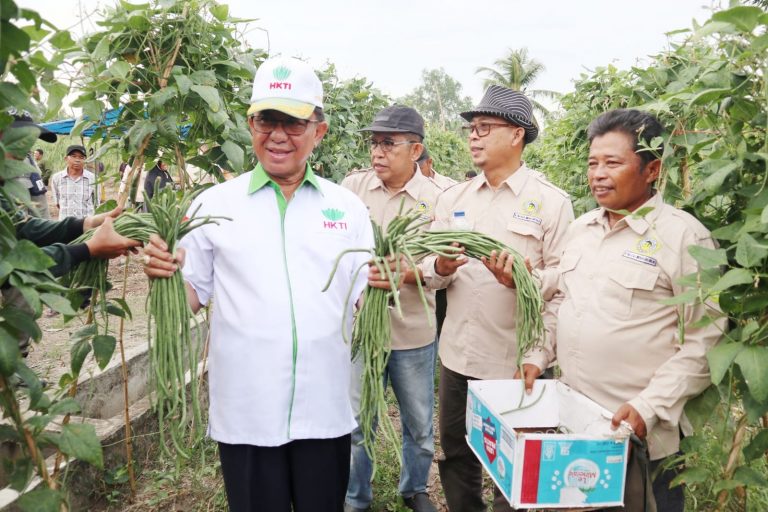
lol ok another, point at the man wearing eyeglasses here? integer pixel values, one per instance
(394, 179)
(74, 188)
(518, 206)
(279, 369)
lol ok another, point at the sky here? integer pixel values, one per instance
(390, 43)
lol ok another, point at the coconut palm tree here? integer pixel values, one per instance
(518, 71)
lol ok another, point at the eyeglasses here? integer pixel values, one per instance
(482, 129)
(290, 126)
(387, 145)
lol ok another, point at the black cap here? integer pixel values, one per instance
(22, 119)
(512, 106)
(75, 147)
(397, 119)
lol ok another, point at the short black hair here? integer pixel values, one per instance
(424, 155)
(470, 174)
(319, 114)
(639, 125)
(40, 150)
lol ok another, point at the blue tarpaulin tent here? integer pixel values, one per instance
(64, 126)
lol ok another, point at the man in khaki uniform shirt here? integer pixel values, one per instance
(395, 179)
(615, 342)
(519, 207)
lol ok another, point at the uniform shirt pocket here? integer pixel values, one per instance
(567, 265)
(628, 291)
(525, 238)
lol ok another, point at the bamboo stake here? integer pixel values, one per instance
(128, 440)
(733, 459)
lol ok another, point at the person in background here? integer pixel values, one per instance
(42, 164)
(519, 207)
(426, 165)
(616, 341)
(279, 369)
(157, 178)
(54, 237)
(469, 175)
(74, 188)
(394, 179)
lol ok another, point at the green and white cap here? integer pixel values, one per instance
(287, 85)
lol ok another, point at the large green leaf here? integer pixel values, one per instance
(720, 358)
(78, 352)
(757, 447)
(42, 499)
(715, 180)
(18, 141)
(120, 69)
(753, 361)
(745, 18)
(183, 83)
(58, 303)
(220, 12)
(210, 95)
(158, 99)
(27, 256)
(62, 40)
(235, 155)
(710, 95)
(700, 409)
(694, 475)
(9, 352)
(749, 252)
(734, 277)
(79, 440)
(749, 477)
(10, 169)
(21, 321)
(66, 406)
(707, 257)
(103, 348)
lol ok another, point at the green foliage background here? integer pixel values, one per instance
(710, 90)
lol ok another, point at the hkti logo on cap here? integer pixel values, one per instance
(286, 85)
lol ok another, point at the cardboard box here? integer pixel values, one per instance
(555, 450)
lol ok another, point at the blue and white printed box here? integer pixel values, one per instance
(556, 449)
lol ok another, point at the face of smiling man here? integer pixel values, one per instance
(617, 176)
(282, 155)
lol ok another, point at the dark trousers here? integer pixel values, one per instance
(307, 475)
(441, 307)
(643, 492)
(460, 472)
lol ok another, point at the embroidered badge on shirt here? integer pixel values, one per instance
(423, 207)
(528, 211)
(333, 219)
(644, 248)
(647, 245)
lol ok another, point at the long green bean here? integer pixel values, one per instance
(371, 335)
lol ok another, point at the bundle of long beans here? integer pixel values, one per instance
(371, 337)
(530, 327)
(173, 350)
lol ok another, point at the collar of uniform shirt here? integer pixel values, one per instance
(515, 181)
(637, 224)
(260, 178)
(411, 187)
